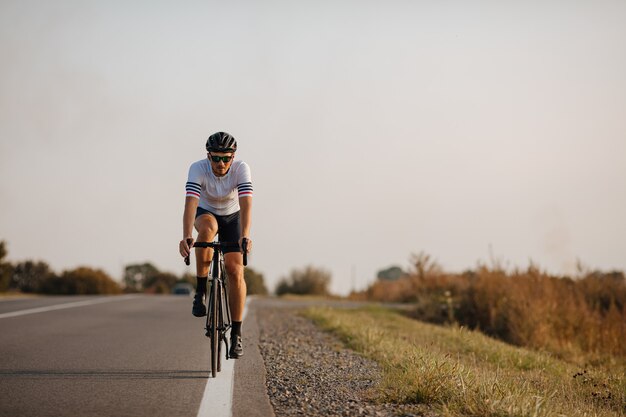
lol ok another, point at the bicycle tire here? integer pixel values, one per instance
(219, 354)
(225, 287)
(215, 333)
(219, 329)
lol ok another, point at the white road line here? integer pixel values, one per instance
(65, 305)
(217, 400)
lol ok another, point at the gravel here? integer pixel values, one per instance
(310, 373)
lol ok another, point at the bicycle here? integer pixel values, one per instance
(218, 319)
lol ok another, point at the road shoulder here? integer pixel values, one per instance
(250, 398)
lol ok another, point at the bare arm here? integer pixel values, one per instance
(191, 204)
(245, 206)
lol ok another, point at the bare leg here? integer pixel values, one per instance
(236, 284)
(206, 225)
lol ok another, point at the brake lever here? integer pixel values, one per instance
(187, 257)
(244, 248)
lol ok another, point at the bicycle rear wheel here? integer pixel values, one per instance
(215, 339)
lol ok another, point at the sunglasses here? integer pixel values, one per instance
(224, 159)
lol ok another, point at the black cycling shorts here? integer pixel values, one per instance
(228, 228)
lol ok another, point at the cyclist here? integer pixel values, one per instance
(219, 200)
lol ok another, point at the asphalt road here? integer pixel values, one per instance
(129, 357)
(137, 356)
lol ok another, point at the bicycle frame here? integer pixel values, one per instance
(218, 291)
(218, 318)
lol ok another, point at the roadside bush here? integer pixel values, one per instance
(255, 283)
(534, 309)
(160, 283)
(307, 281)
(575, 318)
(398, 291)
(82, 280)
(188, 278)
(30, 276)
(6, 269)
(604, 290)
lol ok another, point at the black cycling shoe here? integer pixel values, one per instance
(236, 349)
(199, 309)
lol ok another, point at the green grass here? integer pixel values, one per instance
(465, 373)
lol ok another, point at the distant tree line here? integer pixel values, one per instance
(146, 277)
(37, 277)
(6, 269)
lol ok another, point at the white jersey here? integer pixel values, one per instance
(219, 195)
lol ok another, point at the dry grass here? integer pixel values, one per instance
(462, 372)
(15, 295)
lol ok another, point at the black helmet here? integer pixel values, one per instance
(221, 142)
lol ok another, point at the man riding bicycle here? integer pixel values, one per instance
(219, 200)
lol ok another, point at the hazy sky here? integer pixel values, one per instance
(374, 130)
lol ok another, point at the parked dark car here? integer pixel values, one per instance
(182, 288)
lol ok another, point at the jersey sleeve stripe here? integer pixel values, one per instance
(192, 186)
(193, 189)
(245, 189)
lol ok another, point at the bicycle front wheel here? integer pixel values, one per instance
(215, 337)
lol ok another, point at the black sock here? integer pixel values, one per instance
(201, 287)
(236, 329)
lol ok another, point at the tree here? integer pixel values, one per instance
(424, 265)
(160, 283)
(310, 280)
(255, 283)
(81, 280)
(6, 269)
(136, 276)
(188, 278)
(30, 276)
(390, 274)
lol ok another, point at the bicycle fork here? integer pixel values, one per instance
(223, 312)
